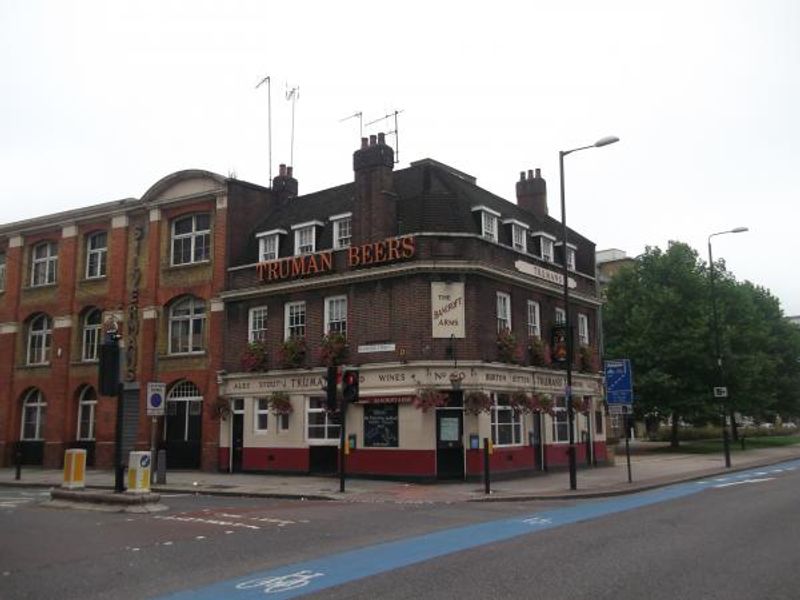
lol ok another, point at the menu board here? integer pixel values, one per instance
(380, 426)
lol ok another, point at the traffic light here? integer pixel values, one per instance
(333, 388)
(108, 368)
(350, 385)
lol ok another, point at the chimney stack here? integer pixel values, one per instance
(375, 209)
(284, 184)
(532, 193)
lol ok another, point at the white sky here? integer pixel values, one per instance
(99, 100)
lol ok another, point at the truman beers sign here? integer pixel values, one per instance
(374, 253)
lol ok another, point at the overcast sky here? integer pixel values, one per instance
(99, 100)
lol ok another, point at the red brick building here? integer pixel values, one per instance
(441, 293)
(154, 265)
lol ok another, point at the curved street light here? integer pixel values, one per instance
(573, 477)
(723, 392)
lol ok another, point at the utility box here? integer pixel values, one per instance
(74, 469)
(139, 466)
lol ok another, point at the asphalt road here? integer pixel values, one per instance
(734, 539)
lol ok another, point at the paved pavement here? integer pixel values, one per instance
(649, 470)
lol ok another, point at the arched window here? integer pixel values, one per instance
(187, 320)
(86, 405)
(34, 409)
(40, 337)
(92, 323)
(44, 263)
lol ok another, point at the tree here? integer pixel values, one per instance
(657, 316)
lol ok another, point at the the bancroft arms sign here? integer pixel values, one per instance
(374, 253)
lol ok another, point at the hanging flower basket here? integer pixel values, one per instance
(333, 349)
(522, 403)
(222, 408)
(279, 404)
(293, 352)
(429, 398)
(506, 346)
(255, 357)
(476, 403)
(538, 352)
(587, 362)
(581, 405)
(544, 403)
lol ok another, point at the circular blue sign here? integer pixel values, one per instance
(155, 400)
(144, 461)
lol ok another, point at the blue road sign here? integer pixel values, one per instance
(619, 381)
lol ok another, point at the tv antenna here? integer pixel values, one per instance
(269, 120)
(292, 95)
(360, 116)
(396, 132)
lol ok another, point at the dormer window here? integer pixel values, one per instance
(545, 242)
(305, 237)
(570, 255)
(518, 234)
(489, 220)
(268, 244)
(342, 230)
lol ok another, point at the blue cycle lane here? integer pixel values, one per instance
(298, 579)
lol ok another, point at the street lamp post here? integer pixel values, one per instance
(573, 477)
(719, 379)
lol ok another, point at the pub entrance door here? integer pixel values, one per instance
(184, 411)
(450, 439)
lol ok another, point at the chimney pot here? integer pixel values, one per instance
(373, 140)
(289, 171)
(363, 143)
(522, 175)
(538, 173)
(282, 170)
(381, 138)
(530, 173)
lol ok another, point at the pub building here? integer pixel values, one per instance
(445, 297)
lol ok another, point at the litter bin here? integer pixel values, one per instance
(74, 469)
(139, 464)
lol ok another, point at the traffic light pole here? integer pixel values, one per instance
(342, 442)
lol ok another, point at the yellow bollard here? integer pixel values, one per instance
(74, 469)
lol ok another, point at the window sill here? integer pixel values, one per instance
(35, 366)
(93, 279)
(178, 356)
(189, 265)
(42, 286)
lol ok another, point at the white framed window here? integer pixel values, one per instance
(534, 326)
(546, 251)
(86, 413)
(40, 338)
(570, 258)
(560, 420)
(44, 264)
(503, 311)
(342, 230)
(268, 247)
(92, 324)
(561, 316)
(583, 329)
(294, 320)
(518, 237)
(322, 425)
(96, 255)
(261, 419)
(187, 323)
(304, 242)
(489, 222)
(257, 324)
(2, 271)
(191, 239)
(336, 315)
(506, 422)
(34, 411)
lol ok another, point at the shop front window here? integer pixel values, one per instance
(322, 425)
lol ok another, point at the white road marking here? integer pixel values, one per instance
(536, 521)
(722, 485)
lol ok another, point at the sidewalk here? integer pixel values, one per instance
(649, 470)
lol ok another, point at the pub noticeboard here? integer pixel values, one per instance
(380, 426)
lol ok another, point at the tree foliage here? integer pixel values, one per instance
(659, 315)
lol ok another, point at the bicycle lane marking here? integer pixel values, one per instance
(302, 578)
